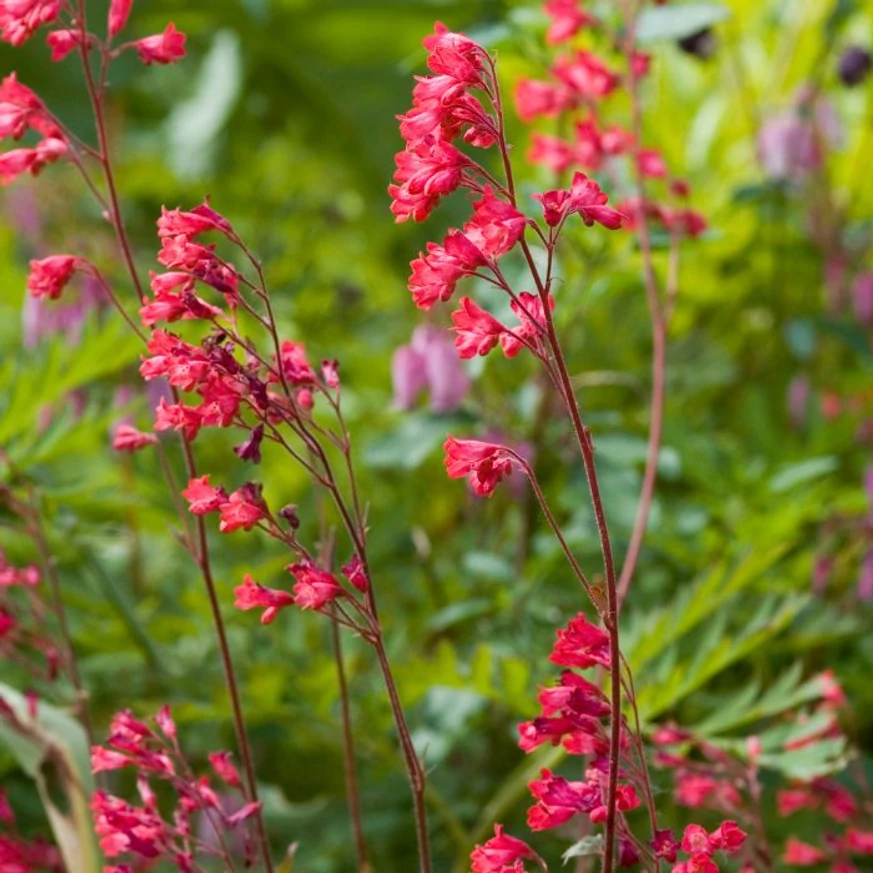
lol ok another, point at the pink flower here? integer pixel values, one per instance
(551, 152)
(128, 439)
(862, 297)
(251, 595)
(728, 837)
(532, 323)
(567, 20)
(425, 173)
(790, 801)
(500, 854)
(6, 813)
(801, 854)
(534, 98)
(243, 510)
(201, 219)
(177, 416)
(295, 365)
(860, 842)
(581, 645)
(20, 19)
(584, 198)
(314, 588)
(224, 769)
(665, 845)
(203, 497)
(586, 74)
(650, 163)
(119, 12)
(559, 800)
(162, 48)
(49, 276)
(20, 108)
(354, 571)
(477, 331)
(105, 759)
(429, 362)
(485, 464)
(62, 42)
(454, 54)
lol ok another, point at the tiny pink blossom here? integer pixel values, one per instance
(203, 497)
(128, 439)
(501, 854)
(484, 464)
(119, 12)
(162, 48)
(252, 595)
(49, 276)
(314, 587)
(63, 42)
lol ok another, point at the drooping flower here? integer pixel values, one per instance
(242, 510)
(800, 854)
(128, 439)
(586, 74)
(534, 98)
(20, 19)
(581, 644)
(252, 595)
(225, 769)
(314, 587)
(501, 854)
(567, 19)
(476, 331)
(63, 42)
(162, 48)
(49, 276)
(584, 198)
(203, 497)
(484, 464)
(119, 12)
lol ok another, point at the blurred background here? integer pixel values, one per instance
(757, 568)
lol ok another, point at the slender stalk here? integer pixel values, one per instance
(352, 792)
(200, 549)
(34, 523)
(413, 765)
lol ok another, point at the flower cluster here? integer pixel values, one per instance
(578, 84)
(144, 833)
(22, 111)
(21, 855)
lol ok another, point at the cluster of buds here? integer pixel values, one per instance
(203, 820)
(578, 84)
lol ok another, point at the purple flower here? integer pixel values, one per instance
(430, 363)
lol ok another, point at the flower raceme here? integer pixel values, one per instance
(152, 750)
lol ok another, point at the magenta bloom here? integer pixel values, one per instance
(501, 854)
(549, 99)
(315, 588)
(162, 48)
(128, 439)
(62, 42)
(477, 331)
(50, 276)
(484, 464)
(585, 198)
(242, 510)
(119, 12)
(567, 19)
(20, 19)
(252, 595)
(581, 645)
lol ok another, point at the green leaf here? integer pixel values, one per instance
(591, 845)
(54, 744)
(804, 471)
(676, 22)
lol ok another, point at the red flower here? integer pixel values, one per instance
(477, 330)
(665, 846)
(201, 219)
(354, 572)
(484, 463)
(243, 509)
(128, 439)
(49, 276)
(790, 801)
(559, 800)
(162, 48)
(650, 163)
(501, 854)
(454, 54)
(203, 497)
(567, 20)
(586, 74)
(105, 759)
(20, 19)
(534, 98)
(584, 198)
(119, 12)
(532, 322)
(802, 854)
(696, 841)
(315, 588)
(224, 769)
(62, 42)
(251, 595)
(581, 645)
(728, 837)
(860, 842)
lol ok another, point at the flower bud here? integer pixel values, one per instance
(854, 66)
